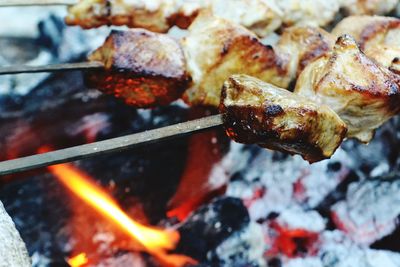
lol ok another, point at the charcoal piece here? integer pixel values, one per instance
(210, 225)
(389, 242)
(370, 209)
(244, 248)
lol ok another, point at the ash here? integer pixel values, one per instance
(274, 209)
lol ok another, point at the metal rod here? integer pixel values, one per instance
(108, 146)
(50, 68)
(10, 3)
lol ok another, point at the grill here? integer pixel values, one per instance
(230, 204)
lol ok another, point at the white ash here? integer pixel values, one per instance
(236, 159)
(280, 178)
(370, 209)
(337, 250)
(56, 43)
(299, 219)
(40, 260)
(23, 21)
(17, 84)
(304, 262)
(90, 126)
(243, 248)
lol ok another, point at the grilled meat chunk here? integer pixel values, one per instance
(363, 93)
(154, 15)
(217, 48)
(143, 68)
(261, 16)
(260, 113)
(368, 7)
(378, 37)
(304, 45)
(308, 12)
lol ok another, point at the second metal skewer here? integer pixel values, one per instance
(50, 68)
(10, 3)
(108, 146)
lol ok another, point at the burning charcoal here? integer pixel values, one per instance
(12, 250)
(287, 182)
(210, 225)
(256, 112)
(243, 248)
(295, 233)
(143, 68)
(337, 250)
(370, 209)
(389, 242)
(200, 183)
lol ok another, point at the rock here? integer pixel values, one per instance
(13, 252)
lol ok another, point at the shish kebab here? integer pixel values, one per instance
(340, 79)
(259, 16)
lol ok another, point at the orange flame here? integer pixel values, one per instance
(154, 241)
(78, 260)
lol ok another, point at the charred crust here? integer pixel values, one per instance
(292, 129)
(371, 30)
(142, 91)
(181, 20)
(317, 51)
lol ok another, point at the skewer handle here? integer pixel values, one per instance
(10, 3)
(50, 68)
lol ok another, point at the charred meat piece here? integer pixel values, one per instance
(378, 37)
(217, 48)
(152, 15)
(363, 93)
(260, 16)
(145, 69)
(160, 15)
(260, 113)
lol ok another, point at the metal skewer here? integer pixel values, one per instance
(108, 146)
(50, 68)
(10, 3)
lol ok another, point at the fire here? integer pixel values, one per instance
(154, 241)
(78, 260)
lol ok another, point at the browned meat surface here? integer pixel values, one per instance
(260, 16)
(217, 48)
(145, 69)
(304, 45)
(363, 93)
(260, 113)
(378, 37)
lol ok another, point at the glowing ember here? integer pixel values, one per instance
(154, 241)
(78, 260)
